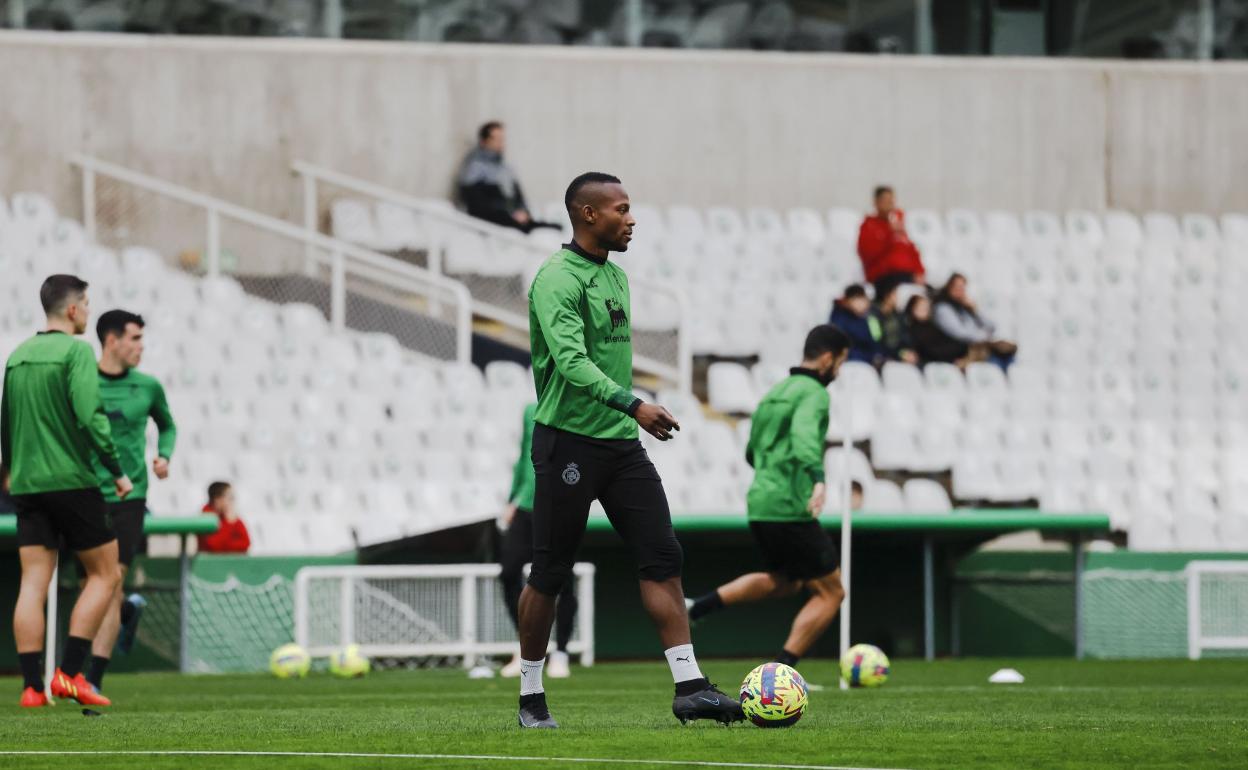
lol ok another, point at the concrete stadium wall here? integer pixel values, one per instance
(227, 116)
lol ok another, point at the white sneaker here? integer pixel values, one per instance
(557, 665)
(512, 669)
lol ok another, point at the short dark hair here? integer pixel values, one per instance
(880, 190)
(486, 129)
(825, 338)
(856, 486)
(57, 290)
(115, 321)
(217, 489)
(584, 180)
(855, 290)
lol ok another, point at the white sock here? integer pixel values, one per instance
(683, 664)
(531, 676)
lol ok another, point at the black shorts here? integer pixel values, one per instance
(77, 515)
(572, 471)
(799, 550)
(127, 520)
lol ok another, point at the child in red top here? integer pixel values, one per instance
(231, 536)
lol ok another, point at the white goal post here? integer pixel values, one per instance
(416, 611)
(1217, 606)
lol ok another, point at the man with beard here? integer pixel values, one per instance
(784, 502)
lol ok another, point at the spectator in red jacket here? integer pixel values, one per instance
(231, 536)
(883, 245)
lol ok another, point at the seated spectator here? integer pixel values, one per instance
(894, 340)
(852, 315)
(957, 316)
(489, 189)
(929, 341)
(855, 495)
(883, 245)
(231, 535)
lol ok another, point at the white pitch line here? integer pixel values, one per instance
(488, 757)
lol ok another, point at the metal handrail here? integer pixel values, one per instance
(344, 258)
(310, 174)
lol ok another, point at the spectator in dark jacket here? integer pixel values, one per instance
(930, 343)
(489, 189)
(957, 316)
(883, 245)
(852, 315)
(895, 344)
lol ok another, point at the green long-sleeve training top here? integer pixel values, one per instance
(129, 400)
(786, 448)
(523, 477)
(51, 418)
(582, 346)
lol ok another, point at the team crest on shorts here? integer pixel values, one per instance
(571, 474)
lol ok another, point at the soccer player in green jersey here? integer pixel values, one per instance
(784, 502)
(585, 447)
(51, 422)
(516, 550)
(130, 399)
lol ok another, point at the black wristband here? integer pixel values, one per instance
(631, 411)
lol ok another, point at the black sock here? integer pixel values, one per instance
(690, 686)
(706, 604)
(127, 611)
(76, 651)
(32, 669)
(95, 674)
(787, 658)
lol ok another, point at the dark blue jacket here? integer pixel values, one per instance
(863, 334)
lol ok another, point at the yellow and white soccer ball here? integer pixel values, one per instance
(774, 695)
(349, 663)
(290, 661)
(864, 665)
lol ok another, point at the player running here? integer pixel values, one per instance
(517, 551)
(585, 447)
(51, 421)
(784, 502)
(130, 399)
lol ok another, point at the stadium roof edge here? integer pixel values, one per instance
(88, 40)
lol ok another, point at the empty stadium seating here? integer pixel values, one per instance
(1128, 395)
(1130, 376)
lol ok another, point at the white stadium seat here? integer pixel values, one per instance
(1126, 386)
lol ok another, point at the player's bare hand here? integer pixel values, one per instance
(521, 216)
(124, 487)
(656, 421)
(509, 513)
(818, 497)
(160, 466)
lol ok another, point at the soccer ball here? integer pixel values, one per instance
(774, 695)
(348, 663)
(290, 661)
(864, 665)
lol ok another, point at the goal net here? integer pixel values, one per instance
(1217, 607)
(1166, 613)
(418, 611)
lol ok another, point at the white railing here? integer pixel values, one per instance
(674, 364)
(441, 296)
(415, 611)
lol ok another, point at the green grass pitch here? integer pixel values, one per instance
(930, 716)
